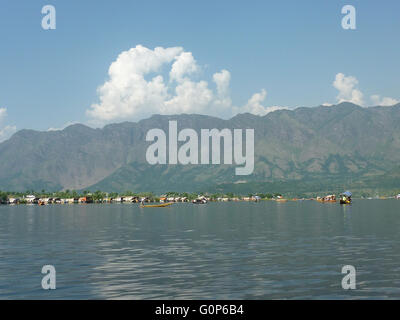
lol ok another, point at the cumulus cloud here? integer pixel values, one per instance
(69, 123)
(222, 80)
(346, 85)
(3, 114)
(136, 88)
(183, 65)
(254, 105)
(384, 102)
(5, 131)
(348, 92)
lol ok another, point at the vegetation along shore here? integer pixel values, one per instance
(74, 197)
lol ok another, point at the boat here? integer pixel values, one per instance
(280, 199)
(330, 198)
(398, 197)
(161, 205)
(200, 200)
(345, 201)
(345, 197)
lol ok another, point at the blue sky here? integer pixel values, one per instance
(292, 49)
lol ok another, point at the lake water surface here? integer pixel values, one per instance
(266, 250)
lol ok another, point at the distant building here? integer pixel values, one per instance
(13, 200)
(45, 200)
(31, 198)
(86, 199)
(57, 201)
(200, 200)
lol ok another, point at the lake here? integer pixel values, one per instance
(265, 250)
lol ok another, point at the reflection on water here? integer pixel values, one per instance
(261, 250)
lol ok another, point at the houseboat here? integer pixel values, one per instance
(86, 199)
(31, 199)
(13, 201)
(200, 200)
(280, 199)
(330, 198)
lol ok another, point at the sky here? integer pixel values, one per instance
(114, 61)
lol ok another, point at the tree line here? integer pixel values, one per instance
(100, 195)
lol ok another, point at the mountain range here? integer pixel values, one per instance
(302, 150)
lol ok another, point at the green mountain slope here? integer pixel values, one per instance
(306, 148)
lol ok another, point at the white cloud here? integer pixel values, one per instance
(69, 123)
(222, 80)
(3, 114)
(274, 108)
(254, 105)
(347, 89)
(127, 93)
(184, 65)
(384, 102)
(5, 131)
(327, 104)
(348, 92)
(191, 97)
(136, 88)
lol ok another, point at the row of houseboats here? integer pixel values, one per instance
(344, 198)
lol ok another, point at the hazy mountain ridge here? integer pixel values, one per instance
(339, 142)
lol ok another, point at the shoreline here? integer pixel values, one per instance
(282, 200)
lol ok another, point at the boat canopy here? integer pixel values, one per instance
(347, 194)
